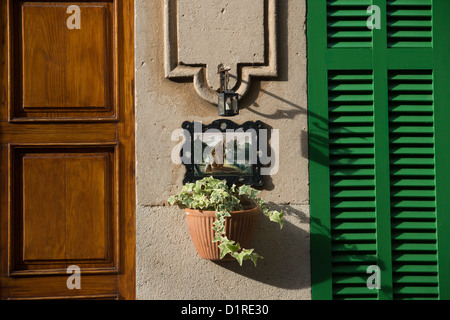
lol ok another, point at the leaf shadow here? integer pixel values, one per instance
(286, 262)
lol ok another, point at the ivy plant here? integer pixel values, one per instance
(210, 194)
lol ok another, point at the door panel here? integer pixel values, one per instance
(70, 192)
(66, 156)
(61, 73)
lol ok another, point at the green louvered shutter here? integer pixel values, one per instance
(352, 179)
(379, 148)
(412, 184)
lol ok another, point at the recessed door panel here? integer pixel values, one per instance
(63, 63)
(64, 208)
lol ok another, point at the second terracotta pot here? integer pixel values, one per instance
(239, 227)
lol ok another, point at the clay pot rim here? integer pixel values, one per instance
(195, 212)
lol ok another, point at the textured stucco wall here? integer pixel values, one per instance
(168, 266)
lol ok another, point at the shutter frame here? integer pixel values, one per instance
(441, 69)
(318, 138)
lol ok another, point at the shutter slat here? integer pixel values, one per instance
(414, 247)
(411, 151)
(351, 129)
(410, 34)
(410, 2)
(351, 183)
(353, 194)
(351, 87)
(353, 236)
(409, 13)
(349, 280)
(346, 24)
(411, 87)
(408, 182)
(353, 215)
(413, 129)
(414, 225)
(412, 204)
(354, 247)
(415, 279)
(407, 109)
(414, 257)
(354, 226)
(406, 215)
(411, 97)
(422, 290)
(349, 2)
(415, 268)
(410, 76)
(352, 140)
(350, 270)
(352, 204)
(351, 172)
(412, 161)
(353, 291)
(413, 236)
(350, 98)
(352, 161)
(351, 108)
(425, 24)
(413, 172)
(350, 119)
(355, 258)
(412, 140)
(350, 34)
(407, 193)
(351, 151)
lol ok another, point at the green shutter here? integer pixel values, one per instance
(379, 148)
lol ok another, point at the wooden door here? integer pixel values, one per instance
(67, 149)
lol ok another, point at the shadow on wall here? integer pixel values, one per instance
(286, 252)
(248, 102)
(286, 262)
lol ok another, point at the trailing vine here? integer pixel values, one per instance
(211, 194)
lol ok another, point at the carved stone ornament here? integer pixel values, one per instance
(238, 34)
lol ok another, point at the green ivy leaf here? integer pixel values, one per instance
(254, 257)
(243, 255)
(276, 216)
(188, 187)
(218, 238)
(172, 200)
(228, 246)
(244, 190)
(253, 193)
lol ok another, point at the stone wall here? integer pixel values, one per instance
(177, 52)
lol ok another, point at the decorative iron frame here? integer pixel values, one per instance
(222, 125)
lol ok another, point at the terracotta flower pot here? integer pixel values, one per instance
(239, 227)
